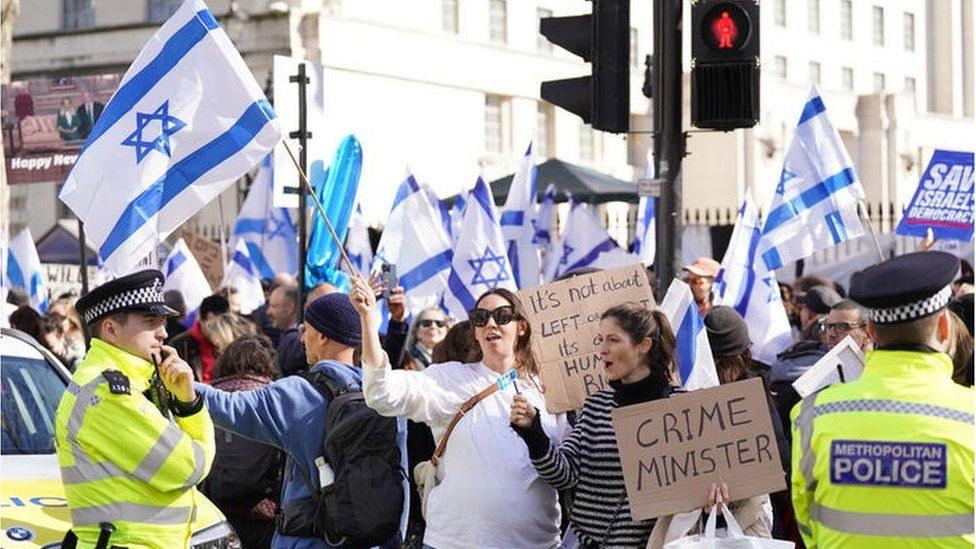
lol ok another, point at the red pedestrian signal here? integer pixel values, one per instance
(725, 28)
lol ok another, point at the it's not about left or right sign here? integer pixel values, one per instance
(673, 449)
(943, 200)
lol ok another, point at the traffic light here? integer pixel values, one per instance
(725, 64)
(602, 39)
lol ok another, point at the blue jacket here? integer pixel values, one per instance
(290, 414)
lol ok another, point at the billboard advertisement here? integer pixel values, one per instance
(45, 123)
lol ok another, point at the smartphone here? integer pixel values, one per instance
(388, 277)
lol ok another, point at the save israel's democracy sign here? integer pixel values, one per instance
(943, 201)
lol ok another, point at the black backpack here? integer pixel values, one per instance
(243, 473)
(362, 507)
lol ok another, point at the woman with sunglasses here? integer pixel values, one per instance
(427, 331)
(637, 349)
(489, 495)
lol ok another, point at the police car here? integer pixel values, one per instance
(33, 511)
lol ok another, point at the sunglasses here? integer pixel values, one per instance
(502, 315)
(428, 322)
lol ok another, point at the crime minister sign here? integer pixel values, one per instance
(943, 201)
(673, 449)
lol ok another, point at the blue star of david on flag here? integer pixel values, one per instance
(785, 176)
(277, 227)
(567, 251)
(168, 125)
(479, 264)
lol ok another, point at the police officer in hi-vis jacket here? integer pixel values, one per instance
(887, 460)
(133, 437)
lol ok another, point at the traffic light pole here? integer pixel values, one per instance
(669, 138)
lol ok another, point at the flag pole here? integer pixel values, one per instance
(321, 209)
(867, 221)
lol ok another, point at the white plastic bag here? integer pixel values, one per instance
(734, 538)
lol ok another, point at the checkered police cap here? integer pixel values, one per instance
(140, 291)
(912, 311)
(906, 287)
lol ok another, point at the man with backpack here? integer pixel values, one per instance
(345, 474)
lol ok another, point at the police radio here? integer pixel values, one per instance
(157, 392)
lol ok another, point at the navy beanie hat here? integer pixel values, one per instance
(334, 316)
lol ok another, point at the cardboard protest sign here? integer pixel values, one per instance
(207, 253)
(843, 363)
(943, 201)
(673, 449)
(565, 319)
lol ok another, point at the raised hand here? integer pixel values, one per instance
(522, 414)
(362, 296)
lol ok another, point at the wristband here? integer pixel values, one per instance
(186, 409)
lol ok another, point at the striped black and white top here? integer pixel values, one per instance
(589, 463)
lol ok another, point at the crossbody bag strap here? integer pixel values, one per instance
(465, 408)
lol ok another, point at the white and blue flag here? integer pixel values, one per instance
(518, 227)
(546, 234)
(645, 239)
(480, 262)
(184, 275)
(187, 120)
(268, 232)
(439, 206)
(415, 241)
(815, 205)
(242, 274)
(456, 214)
(22, 269)
(586, 243)
(745, 284)
(358, 248)
(693, 354)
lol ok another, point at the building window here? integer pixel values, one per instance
(541, 42)
(493, 124)
(814, 72)
(634, 48)
(813, 16)
(449, 16)
(779, 10)
(587, 142)
(879, 82)
(910, 85)
(77, 14)
(909, 31)
(846, 20)
(779, 66)
(847, 78)
(877, 16)
(543, 131)
(498, 21)
(161, 10)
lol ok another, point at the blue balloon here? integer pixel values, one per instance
(336, 189)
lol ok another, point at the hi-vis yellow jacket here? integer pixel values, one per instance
(887, 460)
(122, 461)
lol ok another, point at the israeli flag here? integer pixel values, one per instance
(693, 353)
(243, 275)
(358, 247)
(184, 274)
(546, 235)
(745, 284)
(456, 214)
(586, 243)
(645, 241)
(415, 241)
(518, 227)
(268, 232)
(439, 206)
(480, 262)
(22, 270)
(815, 205)
(187, 120)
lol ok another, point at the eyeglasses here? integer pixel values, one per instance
(502, 315)
(843, 327)
(428, 322)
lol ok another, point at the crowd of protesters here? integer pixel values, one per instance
(545, 477)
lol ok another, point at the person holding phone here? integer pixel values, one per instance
(489, 494)
(123, 460)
